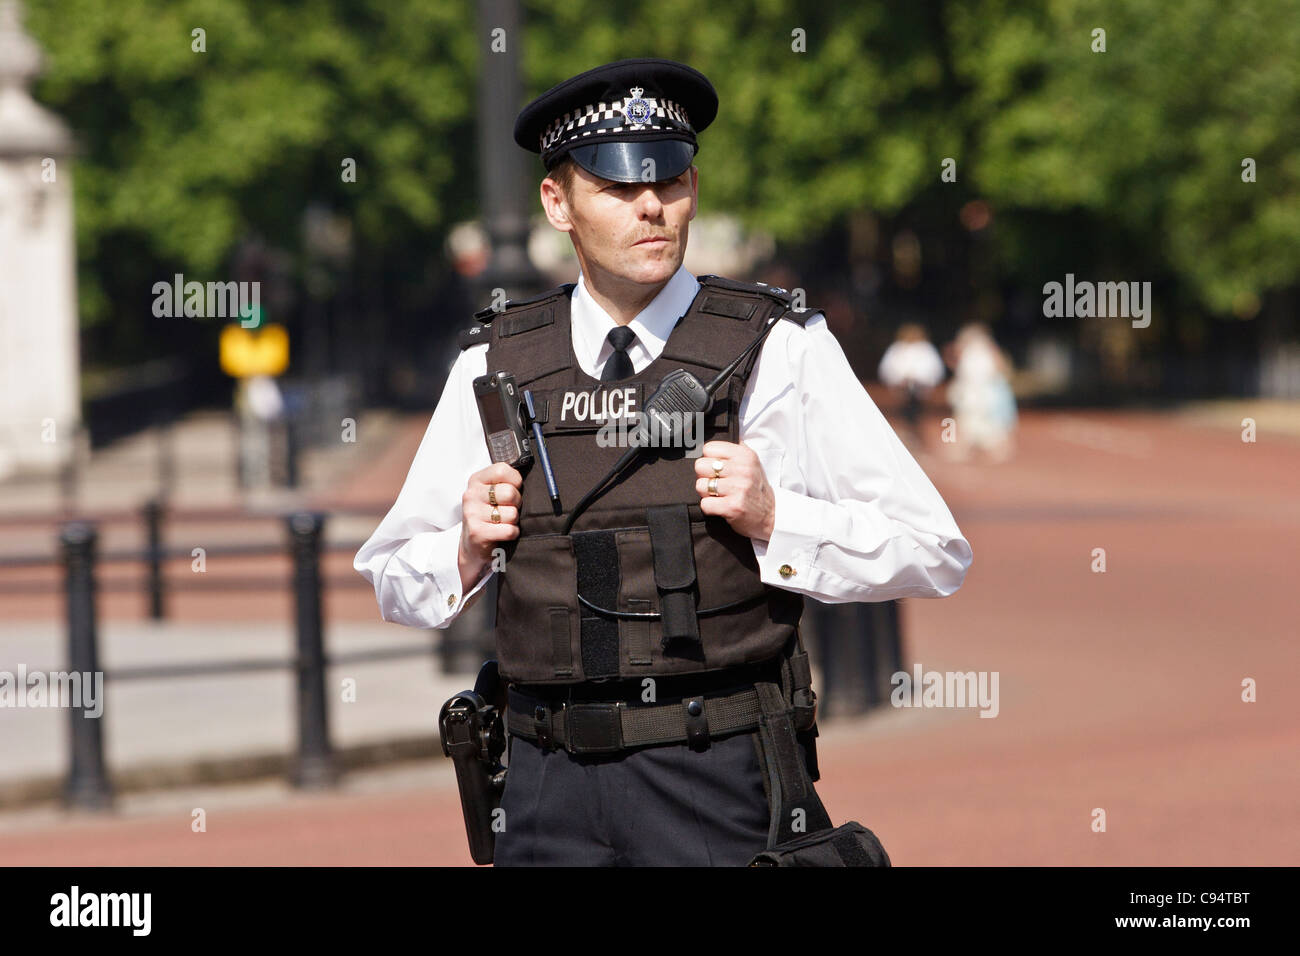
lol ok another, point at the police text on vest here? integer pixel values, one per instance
(597, 406)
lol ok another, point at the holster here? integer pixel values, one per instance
(801, 832)
(473, 736)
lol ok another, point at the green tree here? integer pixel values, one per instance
(183, 153)
(1128, 159)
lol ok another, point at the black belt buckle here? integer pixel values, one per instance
(593, 728)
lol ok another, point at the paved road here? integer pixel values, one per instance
(1118, 691)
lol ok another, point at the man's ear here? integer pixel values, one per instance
(695, 191)
(555, 205)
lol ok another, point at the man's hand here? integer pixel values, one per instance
(479, 534)
(744, 496)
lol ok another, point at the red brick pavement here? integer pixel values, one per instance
(1118, 691)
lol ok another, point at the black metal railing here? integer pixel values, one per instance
(314, 764)
(858, 646)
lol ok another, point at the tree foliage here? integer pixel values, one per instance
(188, 152)
(1130, 156)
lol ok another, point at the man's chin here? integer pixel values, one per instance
(656, 270)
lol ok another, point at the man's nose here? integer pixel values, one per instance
(648, 204)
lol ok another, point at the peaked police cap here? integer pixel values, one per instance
(629, 121)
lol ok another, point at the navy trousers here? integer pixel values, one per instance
(653, 806)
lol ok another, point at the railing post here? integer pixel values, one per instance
(893, 652)
(153, 514)
(292, 439)
(86, 786)
(70, 471)
(884, 650)
(829, 640)
(855, 649)
(166, 456)
(314, 766)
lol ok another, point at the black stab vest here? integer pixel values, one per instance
(643, 547)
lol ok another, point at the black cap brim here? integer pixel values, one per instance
(626, 162)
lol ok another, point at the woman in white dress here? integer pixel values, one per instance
(981, 395)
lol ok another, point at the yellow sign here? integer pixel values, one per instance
(246, 352)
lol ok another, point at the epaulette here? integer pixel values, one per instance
(514, 316)
(737, 309)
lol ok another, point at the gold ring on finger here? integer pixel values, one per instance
(492, 495)
(713, 487)
(496, 515)
(717, 467)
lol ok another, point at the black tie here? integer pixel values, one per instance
(619, 364)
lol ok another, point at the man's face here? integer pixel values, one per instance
(635, 232)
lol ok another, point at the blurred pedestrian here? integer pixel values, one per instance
(258, 406)
(911, 366)
(981, 396)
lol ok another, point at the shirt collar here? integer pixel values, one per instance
(591, 323)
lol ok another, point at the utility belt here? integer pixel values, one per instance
(600, 727)
(611, 716)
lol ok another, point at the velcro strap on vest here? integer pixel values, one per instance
(586, 728)
(674, 561)
(561, 642)
(596, 556)
(526, 320)
(730, 306)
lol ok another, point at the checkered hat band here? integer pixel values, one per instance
(598, 118)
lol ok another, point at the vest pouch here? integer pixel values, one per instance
(753, 627)
(537, 612)
(673, 551)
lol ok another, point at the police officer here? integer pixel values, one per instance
(636, 636)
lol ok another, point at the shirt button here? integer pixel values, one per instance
(786, 571)
(451, 600)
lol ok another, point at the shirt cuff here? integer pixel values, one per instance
(787, 559)
(444, 569)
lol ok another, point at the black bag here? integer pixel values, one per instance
(849, 844)
(792, 797)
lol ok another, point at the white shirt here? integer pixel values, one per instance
(856, 517)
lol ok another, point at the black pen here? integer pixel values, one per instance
(551, 488)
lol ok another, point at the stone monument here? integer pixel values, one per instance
(39, 344)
